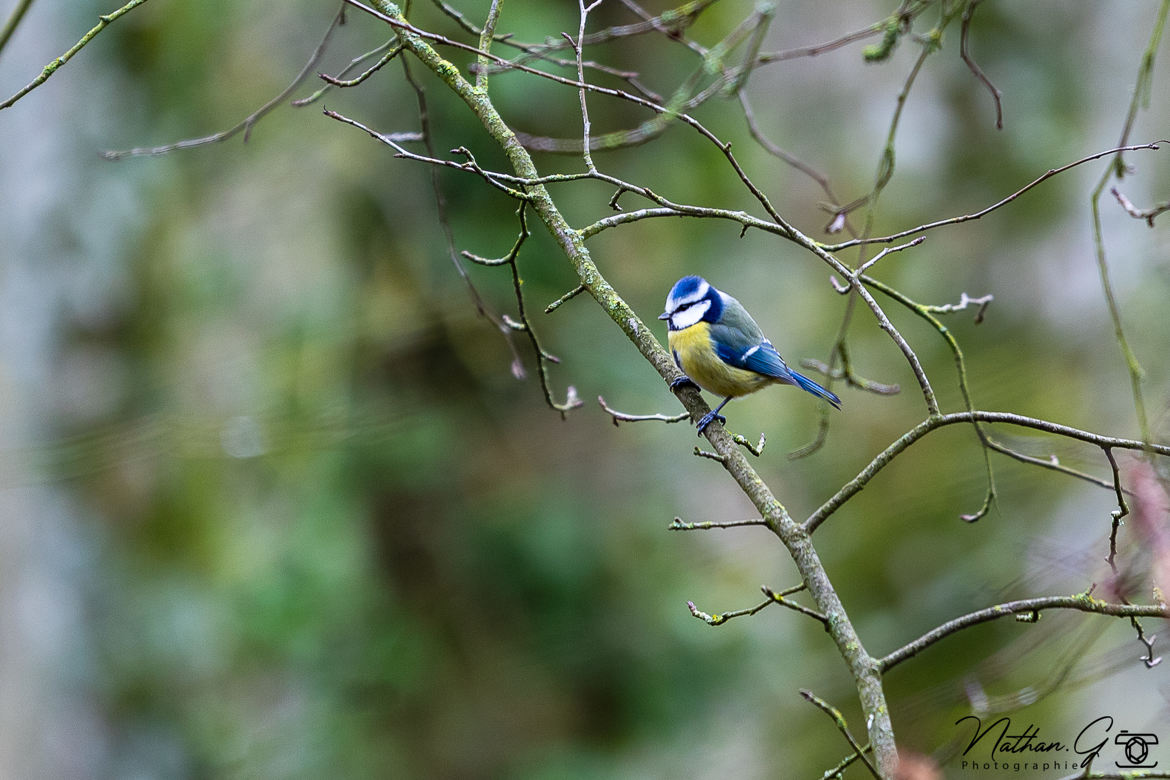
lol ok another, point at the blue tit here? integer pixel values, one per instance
(720, 347)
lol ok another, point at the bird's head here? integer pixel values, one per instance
(691, 300)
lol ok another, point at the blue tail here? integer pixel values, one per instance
(804, 383)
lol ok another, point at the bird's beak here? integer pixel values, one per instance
(664, 315)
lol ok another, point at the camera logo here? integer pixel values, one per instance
(1137, 749)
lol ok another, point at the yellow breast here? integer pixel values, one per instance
(699, 361)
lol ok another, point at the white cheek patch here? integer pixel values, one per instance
(690, 316)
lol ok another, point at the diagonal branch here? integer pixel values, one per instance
(1082, 602)
(842, 726)
(13, 22)
(571, 242)
(104, 21)
(1153, 145)
(904, 442)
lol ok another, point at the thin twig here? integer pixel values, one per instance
(836, 772)
(720, 618)
(964, 386)
(888, 250)
(578, 48)
(571, 294)
(774, 150)
(543, 358)
(1082, 602)
(907, 13)
(1117, 514)
(1146, 214)
(1148, 659)
(13, 22)
(678, 525)
(103, 21)
(780, 599)
(1051, 463)
(846, 374)
(623, 417)
(842, 726)
(250, 121)
(336, 81)
(672, 32)
(486, 36)
(715, 456)
(481, 306)
(996, 95)
(395, 141)
(965, 300)
(755, 449)
(1153, 145)
(883, 458)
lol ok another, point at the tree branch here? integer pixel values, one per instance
(571, 242)
(104, 21)
(882, 459)
(1083, 603)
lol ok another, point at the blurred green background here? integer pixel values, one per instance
(274, 505)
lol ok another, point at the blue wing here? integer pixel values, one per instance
(762, 358)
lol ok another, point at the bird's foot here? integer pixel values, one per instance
(681, 381)
(707, 420)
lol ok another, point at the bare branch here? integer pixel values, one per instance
(964, 301)
(883, 458)
(888, 250)
(13, 22)
(570, 295)
(720, 618)
(846, 374)
(1146, 214)
(755, 449)
(678, 525)
(842, 726)
(1083, 603)
(1052, 463)
(904, 15)
(578, 47)
(779, 599)
(391, 50)
(1153, 145)
(543, 358)
(1121, 511)
(1148, 642)
(715, 456)
(104, 21)
(619, 417)
(486, 36)
(968, 14)
(249, 121)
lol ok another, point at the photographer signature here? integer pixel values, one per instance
(1089, 743)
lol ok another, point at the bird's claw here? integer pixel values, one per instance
(682, 380)
(707, 420)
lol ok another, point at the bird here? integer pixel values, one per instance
(721, 349)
